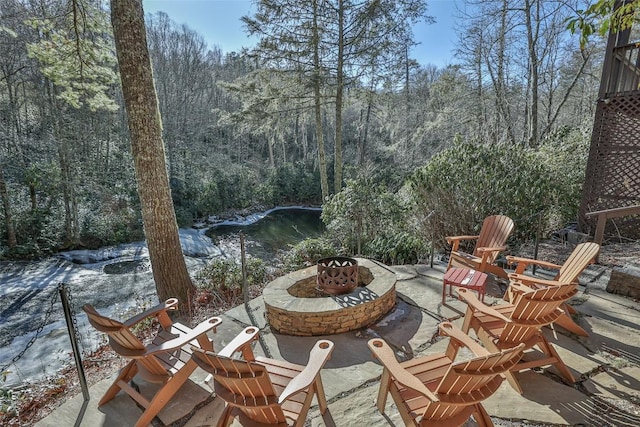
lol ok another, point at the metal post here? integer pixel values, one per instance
(535, 250)
(66, 307)
(431, 255)
(245, 286)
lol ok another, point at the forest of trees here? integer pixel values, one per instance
(329, 96)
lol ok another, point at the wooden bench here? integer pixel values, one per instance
(605, 214)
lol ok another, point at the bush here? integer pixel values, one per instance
(110, 223)
(367, 219)
(308, 252)
(397, 249)
(462, 185)
(222, 277)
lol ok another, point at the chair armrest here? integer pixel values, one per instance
(454, 241)
(242, 342)
(476, 305)
(486, 252)
(320, 353)
(454, 238)
(523, 263)
(183, 339)
(532, 280)
(483, 249)
(170, 304)
(450, 330)
(384, 354)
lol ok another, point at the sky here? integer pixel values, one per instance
(218, 21)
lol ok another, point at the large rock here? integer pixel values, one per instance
(625, 281)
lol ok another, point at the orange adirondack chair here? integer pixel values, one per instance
(167, 360)
(493, 236)
(508, 325)
(435, 390)
(263, 391)
(583, 255)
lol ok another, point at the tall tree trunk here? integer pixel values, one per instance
(324, 181)
(8, 219)
(158, 216)
(534, 67)
(337, 156)
(270, 143)
(362, 146)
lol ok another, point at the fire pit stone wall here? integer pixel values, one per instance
(291, 315)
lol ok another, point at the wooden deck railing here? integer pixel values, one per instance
(625, 70)
(606, 214)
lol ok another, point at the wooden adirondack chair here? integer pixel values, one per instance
(263, 391)
(437, 391)
(583, 255)
(508, 325)
(167, 360)
(493, 236)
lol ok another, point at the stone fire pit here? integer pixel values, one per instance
(294, 306)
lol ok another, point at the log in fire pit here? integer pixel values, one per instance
(337, 275)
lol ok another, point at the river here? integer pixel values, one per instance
(117, 281)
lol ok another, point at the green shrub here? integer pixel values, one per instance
(397, 249)
(223, 278)
(110, 223)
(308, 252)
(462, 185)
(361, 212)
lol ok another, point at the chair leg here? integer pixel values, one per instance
(487, 341)
(322, 398)
(166, 392)
(468, 317)
(385, 382)
(513, 382)
(482, 417)
(570, 325)
(559, 364)
(225, 418)
(498, 271)
(304, 410)
(125, 375)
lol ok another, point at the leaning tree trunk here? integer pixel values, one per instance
(158, 216)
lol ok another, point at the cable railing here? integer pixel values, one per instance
(64, 294)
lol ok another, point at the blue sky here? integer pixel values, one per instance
(219, 23)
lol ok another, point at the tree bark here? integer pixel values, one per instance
(337, 152)
(158, 216)
(324, 181)
(8, 219)
(534, 67)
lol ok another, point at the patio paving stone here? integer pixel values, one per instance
(606, 363)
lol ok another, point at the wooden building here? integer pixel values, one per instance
(612, 178)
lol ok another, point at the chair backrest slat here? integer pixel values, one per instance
(243, 384)
(580, 258)
(495, 231)
(534, 309)
(474, 375)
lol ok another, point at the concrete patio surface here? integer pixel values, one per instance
(606, 364)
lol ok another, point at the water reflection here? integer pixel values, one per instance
(277, 231)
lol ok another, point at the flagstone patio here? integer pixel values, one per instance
(606, 363)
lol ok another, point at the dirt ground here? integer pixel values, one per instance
(32, 402)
